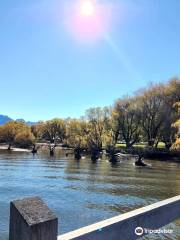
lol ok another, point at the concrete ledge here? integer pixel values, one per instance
(31, 219)
(123, 226)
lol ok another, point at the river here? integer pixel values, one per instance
(82, 192)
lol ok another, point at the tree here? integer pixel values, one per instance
(15, 133)
(98, 118)
(167, 131)
(37, 129)
(171, 96)
(172, 91)
(111, 133)
(24, 139)
(127, 119)
(151, 103)
(53, 130)
(176, 145)
(77, 131)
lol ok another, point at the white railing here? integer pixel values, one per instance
(123, 226)
(31, 219)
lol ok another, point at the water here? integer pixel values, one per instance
(82, 193)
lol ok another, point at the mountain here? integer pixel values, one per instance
(28, 122)
(31, 123)
(6, 119)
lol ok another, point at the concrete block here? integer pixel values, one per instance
(31, 219)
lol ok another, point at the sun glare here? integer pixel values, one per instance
(87, 8)
(88, 20)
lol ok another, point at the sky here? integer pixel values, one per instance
(61, 57)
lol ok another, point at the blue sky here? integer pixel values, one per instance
(45, 72)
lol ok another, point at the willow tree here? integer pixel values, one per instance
(97, 122)
(111, 132)
(153, 112)
(127, 118)
(167, 133)
(37, 130)
(24, 138)
(173, 91)
(176, 145)
(171, 96)
(53, 130)
(16, 133)
(76, 135)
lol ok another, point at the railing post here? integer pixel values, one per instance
(31, 219)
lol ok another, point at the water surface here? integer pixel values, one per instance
(82, 192)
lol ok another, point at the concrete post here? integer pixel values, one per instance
(31, 219)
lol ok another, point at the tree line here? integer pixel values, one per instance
(150, 116)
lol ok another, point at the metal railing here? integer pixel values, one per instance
(31, 219)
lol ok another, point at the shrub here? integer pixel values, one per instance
(24, 139)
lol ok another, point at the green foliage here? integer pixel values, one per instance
(76, 133)
(176, 125)
(24, 139)
(53, 130)
(98, 127)
(16, 133)
(148, 116)
(151, 116)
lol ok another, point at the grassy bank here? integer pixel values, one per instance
(159, 153)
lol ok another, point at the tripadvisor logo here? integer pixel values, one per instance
(139, 231)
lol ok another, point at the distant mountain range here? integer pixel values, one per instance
(5, 119)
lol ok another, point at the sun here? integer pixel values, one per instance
(88, 20)
(87, 8)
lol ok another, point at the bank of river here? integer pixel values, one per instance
(13, 149)
(83, 190)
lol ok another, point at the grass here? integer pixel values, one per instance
(161, 145)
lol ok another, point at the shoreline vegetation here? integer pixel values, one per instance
(121, 152)
(145, 125)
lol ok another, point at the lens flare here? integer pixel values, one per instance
(87, 8)
(88, 20)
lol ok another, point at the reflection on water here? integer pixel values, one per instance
(83, 190)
